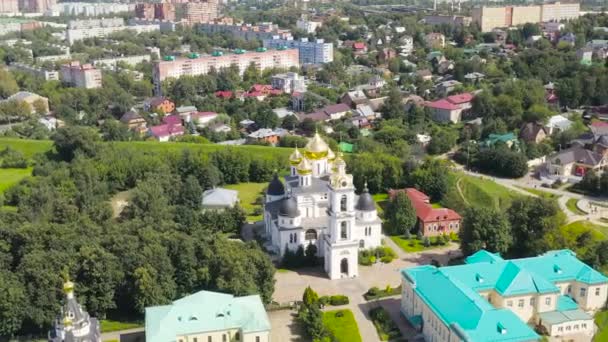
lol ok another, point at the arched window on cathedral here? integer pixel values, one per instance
(290, 238)
(343, 203)
(343, 230)
(361, 243)
(310, 234)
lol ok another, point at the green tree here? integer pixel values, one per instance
(431, 178)
(72, 140)
(400, 214)
(531, 220)
(12, 303)
(393, 107)
(484, 228)
(310, 297)
(8, 85)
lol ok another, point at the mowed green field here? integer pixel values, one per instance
(485, 192)
(28, 147)
(10, 177)
(248, 193)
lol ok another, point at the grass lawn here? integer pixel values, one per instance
(576, 228)
(109, 325)
(571, 205)
(344, 328)
(412, 245)
(601, 319)
(248, 193)
(28, 147)
(485, 192)
(539, 193)
(10, 177)
(381, 200)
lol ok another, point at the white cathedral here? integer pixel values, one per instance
(317, 205)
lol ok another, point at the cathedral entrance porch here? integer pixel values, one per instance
(344, 267)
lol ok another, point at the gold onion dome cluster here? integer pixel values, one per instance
(304, 168)
(339, 161)
(295, 158)
(316, 148)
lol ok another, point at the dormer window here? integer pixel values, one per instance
(479, 278)
(501, 328)
(557, 269)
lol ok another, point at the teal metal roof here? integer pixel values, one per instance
(452, 292)
(557, 317)
(483, 256)
(565, 303)
(464, 310)
(205, 311)
(515, 280)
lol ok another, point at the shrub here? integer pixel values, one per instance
(338, 300)
(374, 291)
(340, 313)
(13, 159)
(324, 300)
(386, 259)
(427, 242)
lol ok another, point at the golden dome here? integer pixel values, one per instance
(304, 168)
(295, 158)
(316, 148)
(331, 155)
(338, 161)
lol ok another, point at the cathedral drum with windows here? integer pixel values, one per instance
(317, 205)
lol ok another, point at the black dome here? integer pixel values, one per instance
(365, 202)
(289, 208)
(275, 188)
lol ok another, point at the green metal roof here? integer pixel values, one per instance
(346, 147)
(205, 311)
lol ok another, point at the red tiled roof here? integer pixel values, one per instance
(204, 114)
(359, 45)
(442, 104)
(172, 120)
(461, 98)
(166, 130)
(223, 94)
(424, 210)
(599, 124)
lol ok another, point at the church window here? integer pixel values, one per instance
(311, 234)
(209, 339)
(318, 168)
(361, 243)
(290, 221)
(290, 238)
(343, 203)
(295, 237)
(343, 228)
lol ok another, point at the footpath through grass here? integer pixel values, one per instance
(10, 177)
(342, 325)
(484, 192)
(571, 205)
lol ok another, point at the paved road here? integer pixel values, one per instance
(290, 287)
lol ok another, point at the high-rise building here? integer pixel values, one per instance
(201, 11)
(9, 6)
(82, 29)
(248, 32)
(195, 64)
(36, 6)
(160, 11)
(311, 52)
(81, 75)
(490, 18)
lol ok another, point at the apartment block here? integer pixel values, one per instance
(89, 9)
(90, 28)
(9, 6)
(308, 26)
(456, 20)
(36, 6)
(151, 11)
(201, 12)
(311, 52)
(195, 64)
(81, 75)
(246, 31)
(47, 75)
(490, 18)
(10, 25)
(288, 83)
(493, 299)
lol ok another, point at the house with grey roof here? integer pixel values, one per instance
(574, 162)
(219, 199)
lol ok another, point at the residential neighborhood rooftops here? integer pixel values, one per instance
(577, 154)
(443, 104)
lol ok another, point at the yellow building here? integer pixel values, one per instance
(489, 18)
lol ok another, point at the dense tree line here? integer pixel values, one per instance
(159, 248)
